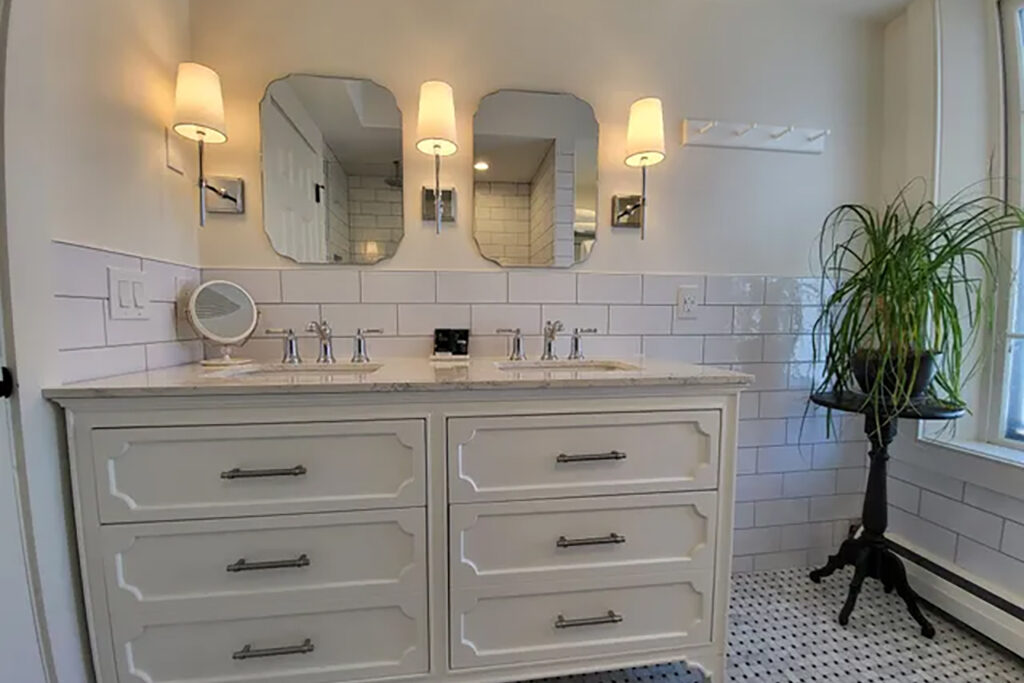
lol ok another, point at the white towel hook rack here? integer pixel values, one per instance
(743, 131)
(782, 133)
(818, 136)
(707, 126)
(767, 137)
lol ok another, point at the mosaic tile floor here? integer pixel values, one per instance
(782, 628)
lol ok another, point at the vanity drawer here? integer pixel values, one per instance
(230, 566)
(579, 538)
(516, 625)
(553, 456)
(194, 472)
(321, 647)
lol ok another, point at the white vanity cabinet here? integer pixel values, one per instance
(457, 532)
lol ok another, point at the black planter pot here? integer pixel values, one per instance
(921, 367)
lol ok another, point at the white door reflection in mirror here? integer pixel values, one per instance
(332, 169)
(535, 178)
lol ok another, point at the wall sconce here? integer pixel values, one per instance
(435, 132)
(199, 116)
(645, 146)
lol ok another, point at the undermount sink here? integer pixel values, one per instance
(587, 365)
(275, 369)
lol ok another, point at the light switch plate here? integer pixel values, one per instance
(129, 299)
(686, 302)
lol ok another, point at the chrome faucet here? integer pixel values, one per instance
(324, 332)
(291, 345)
(517, 342)
(359, 351)
(551, 330)
(576, 350)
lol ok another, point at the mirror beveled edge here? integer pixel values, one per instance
(393, 218)
(528, 144)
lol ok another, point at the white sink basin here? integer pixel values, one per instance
(275, 369)
(587, 365)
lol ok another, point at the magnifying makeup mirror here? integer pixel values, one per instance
(224, 313)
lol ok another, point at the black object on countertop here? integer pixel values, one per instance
(869, 552)
(453, 341)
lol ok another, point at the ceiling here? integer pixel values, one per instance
(511, 159)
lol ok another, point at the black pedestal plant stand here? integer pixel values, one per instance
(869, 552)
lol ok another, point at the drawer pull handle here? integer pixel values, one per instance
(610, 539)
(244, 565)
(239, 473)
(249, 652)
(590, 457)
(610, 618)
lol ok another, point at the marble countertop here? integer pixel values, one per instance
(394, 374)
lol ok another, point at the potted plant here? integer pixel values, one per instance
(907, 291)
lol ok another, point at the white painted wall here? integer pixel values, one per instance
(89, 88)
(787, 63)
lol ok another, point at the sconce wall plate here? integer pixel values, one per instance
(622, 204)
(217, 187)
(447, 205)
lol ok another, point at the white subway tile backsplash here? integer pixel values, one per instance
(401, 347)
(815, 483)
(664, 289)
(754, 541)
(805, 375)
(640, 320)
(287, 316)
(81, 323)
(762, 433)
(345, 319)
(472, 288)
(609, 288)
(762, 320)
(801, 536)
(264, 286)
(996, 503)
(784, 511)
(924, 534)
(743, 516)
(804, 318)
(758, 487)
(398, 287)
(990, 565)
(610, 346)
(926, 479)
(169, 354)
(83, 364)
(750, 403)
(320, 286)
(169, 282)
(742, 564)
(851, 480)
(783, 459)
(739, 349)
(786, 404)
(837, 455)
(1013, 540)
(782, 348)
(769, 561)
(422, 320)
(704, 320)
(734, 289)
(844, 506)
(793, 290)
(767, 376)
(489, 318)
(981, 526)
(538, 287)
(746, 460)
(903, 495)
(684, 349)
(811, 430)
(82, 271)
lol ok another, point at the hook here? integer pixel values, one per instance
(818, 136)
(740, 133)
(706, 127)
(782, 133)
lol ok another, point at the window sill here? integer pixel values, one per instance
(991, 466)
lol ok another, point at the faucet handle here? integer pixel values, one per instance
(280, 330)
(291, 344)
(360, 354)
(584, 330)
(372, 330)
(517, 342)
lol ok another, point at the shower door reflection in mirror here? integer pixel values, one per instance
(535, 178)
(332, 169)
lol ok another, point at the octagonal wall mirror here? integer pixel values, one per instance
(332, 169)
(535, 178)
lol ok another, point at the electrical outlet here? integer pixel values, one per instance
(128, 297)
(686, 302)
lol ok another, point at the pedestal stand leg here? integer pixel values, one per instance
(869, 552)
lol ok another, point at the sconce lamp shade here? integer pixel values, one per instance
(199, 104)
(645, 136)
(435, 125)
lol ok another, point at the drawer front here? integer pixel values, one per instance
(322, 647)
(553, 456)
(581, 538)
(166, 473)
(579, 621)
(230, 565)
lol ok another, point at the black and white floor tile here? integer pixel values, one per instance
(782, 628)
